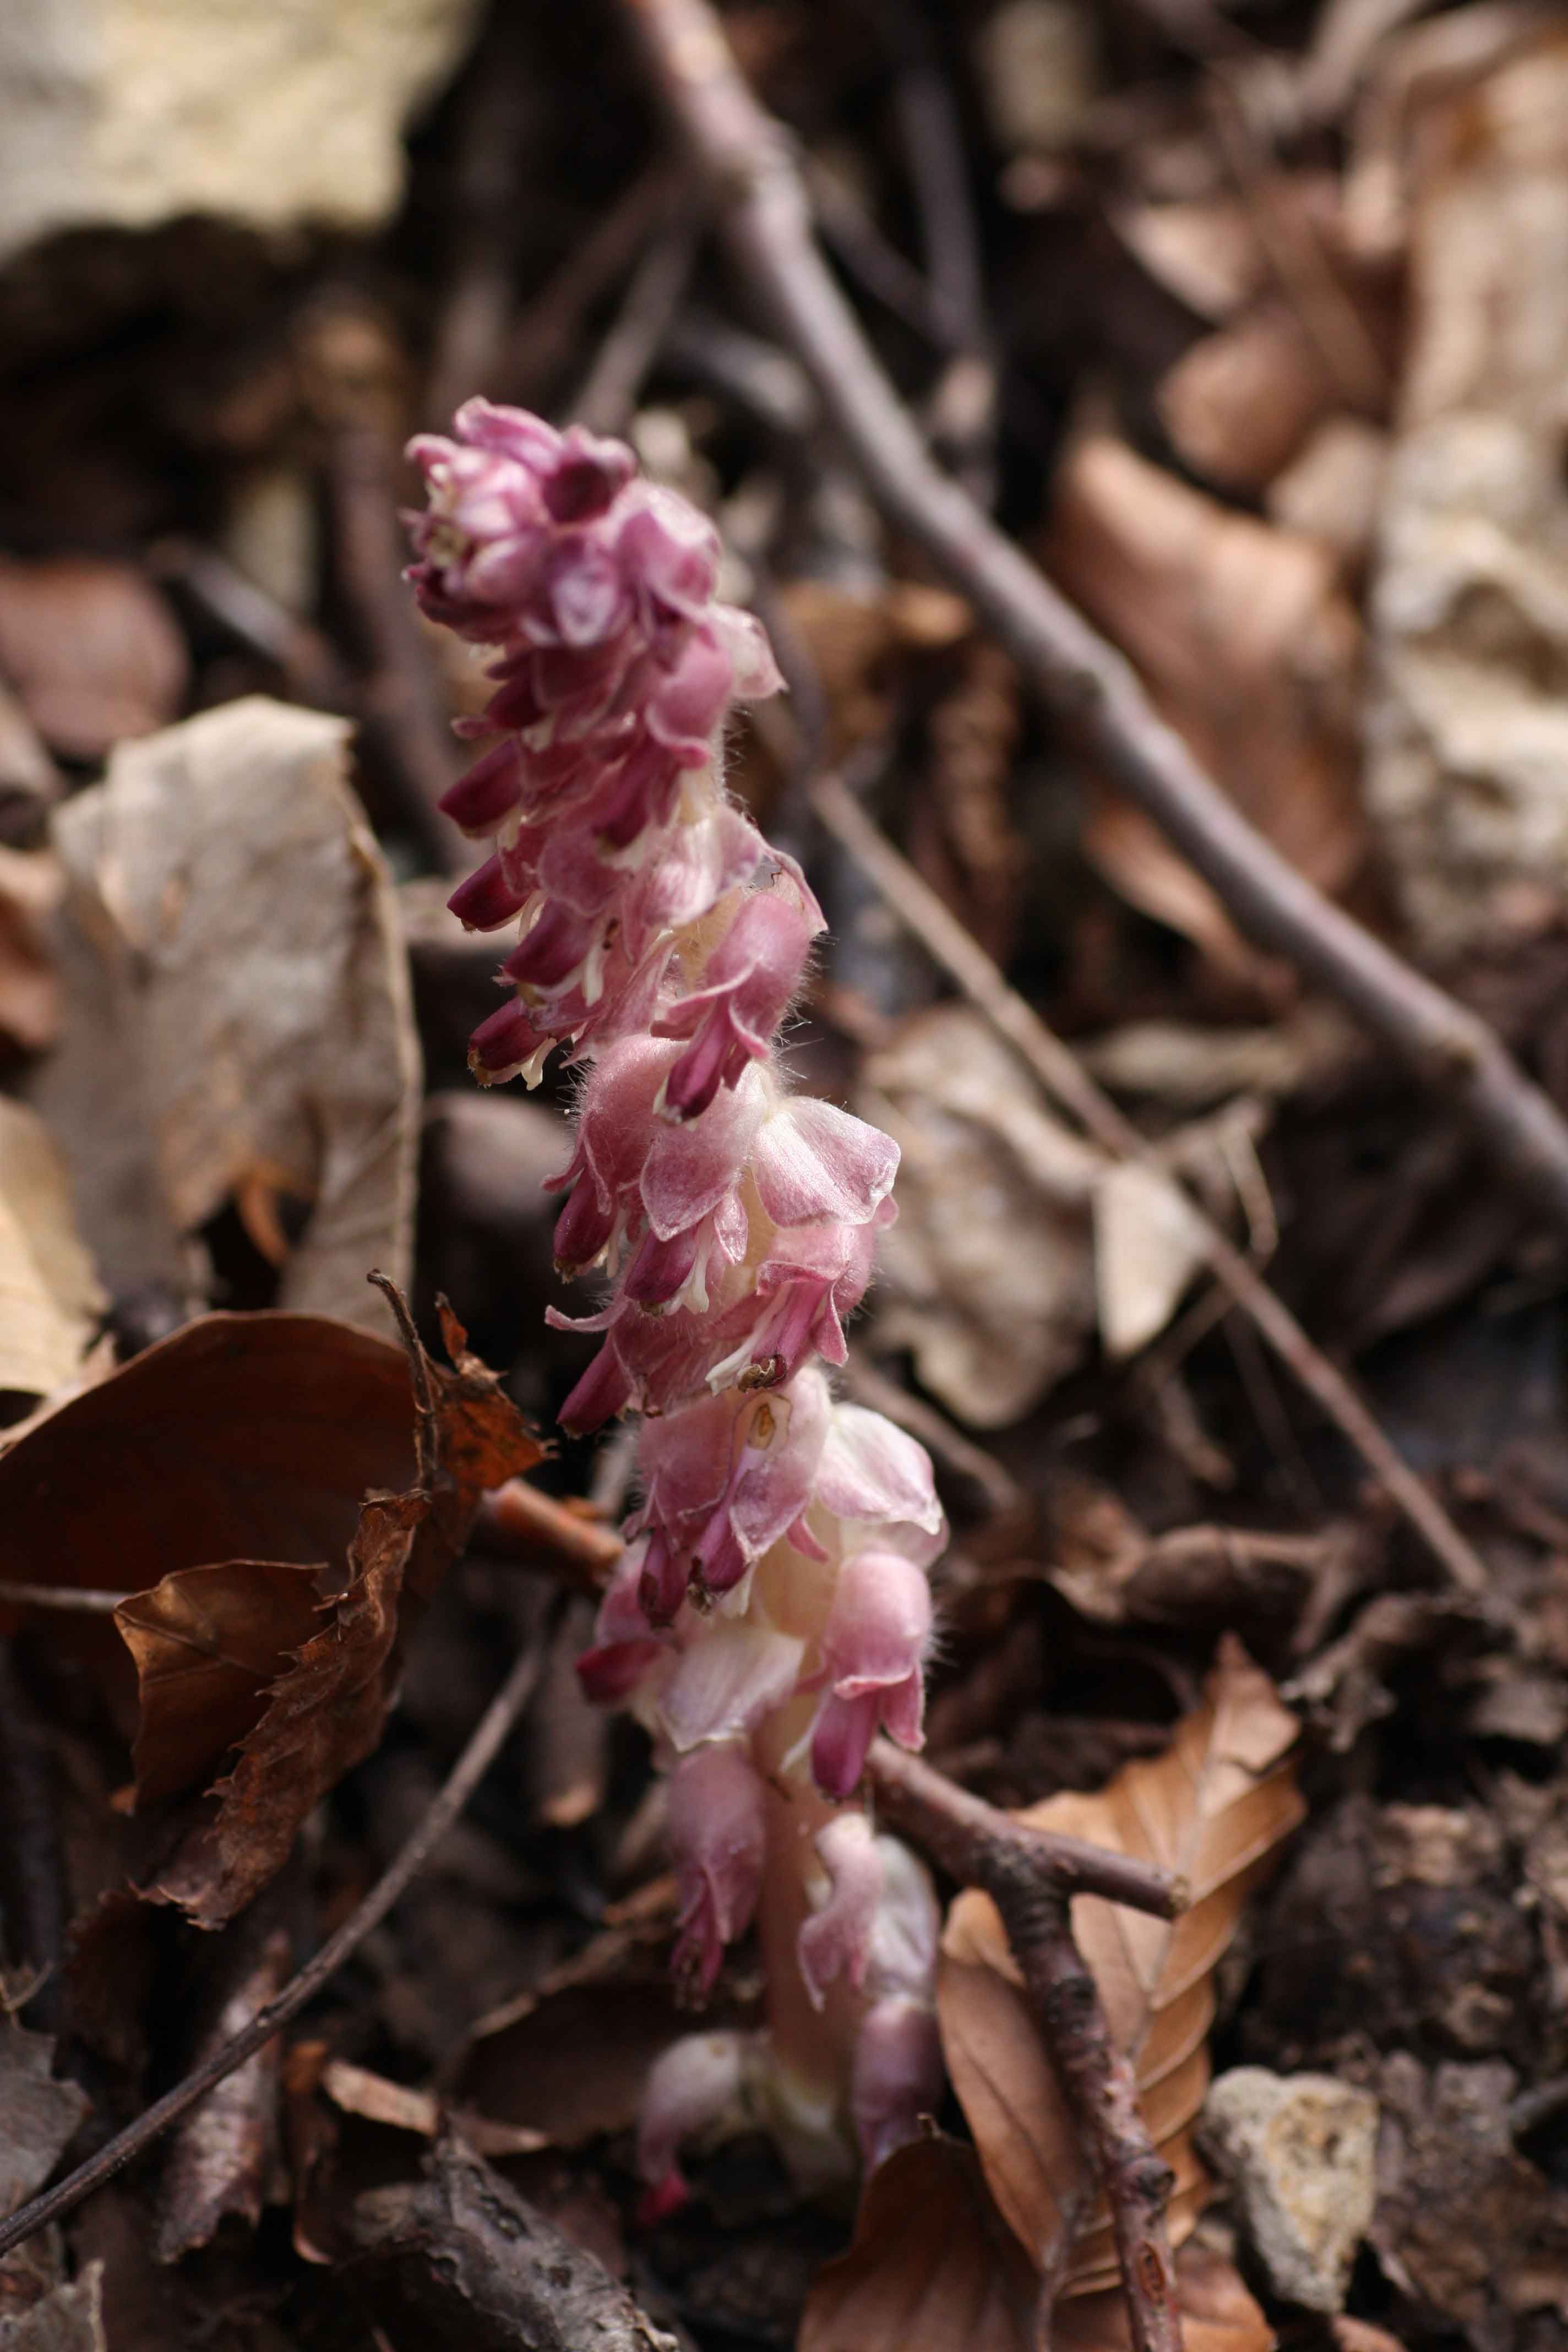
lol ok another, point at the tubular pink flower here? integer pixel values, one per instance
(874, 1647)
(770, 1609)
(718, 1839)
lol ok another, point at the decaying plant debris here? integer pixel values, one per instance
(1156, 508)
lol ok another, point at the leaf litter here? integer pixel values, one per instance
(1344, 588)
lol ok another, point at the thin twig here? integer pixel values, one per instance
(83, 1600)
(469, 1769)
(1032, 1876)
(609, 395)
(518, 1521)
(1060, 1071)
(974, 1841)
(763, 215)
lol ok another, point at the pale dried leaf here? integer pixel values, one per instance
(31, 883)
(1148, 1245)
(1248, 650)
(1212, 1808)
(401, 2107)
(987, 1278)
(1467, 731)
(69, 2318)
(50, 1297)
(242, 1025)
(38, 2114)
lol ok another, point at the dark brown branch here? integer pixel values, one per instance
(1032, 1876)
(975, 1843)
(469, 1769)
(1064, 1076)
(463, 2259)
(765, 216)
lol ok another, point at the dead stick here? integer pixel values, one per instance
(762, 207)
(1057, 1068)
(462, 1781)
(974, 1841)
(1032, 1876)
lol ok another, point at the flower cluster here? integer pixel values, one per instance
(772, 1609)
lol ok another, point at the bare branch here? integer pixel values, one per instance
(762, 209)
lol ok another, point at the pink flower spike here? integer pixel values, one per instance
(671, 554)
(837, 1939)
(845, 1730)
(897, 2078)
(694, 2086)
(718, 1838)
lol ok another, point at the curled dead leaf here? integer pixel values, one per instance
(285, 1437)
(241, 1023)
(1212, 1808)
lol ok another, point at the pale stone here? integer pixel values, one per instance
(132, 112)
(1299, 2152)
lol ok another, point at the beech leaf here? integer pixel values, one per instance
(931, 2266)
(218, 1475)
(1212, 1808)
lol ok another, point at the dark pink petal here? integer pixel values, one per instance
(587, 476)
(486, 899)
(479, 801)
(611, 1671)
(604, 1391)
(504, 1045)
(551, 951)
(845, 1729)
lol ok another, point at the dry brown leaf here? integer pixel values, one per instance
(988, 1277)
(222, 2156)
(207, 1642)
(931, 2267)
(1212, 1808)
(401, 2107)
(50, 1297)
(92, 649)
(241, 1022)
(1247, 648)
(1239, 404)
(247, 1434)
(326, 1713)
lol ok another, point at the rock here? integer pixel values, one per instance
(132, 112)
(1299, 2152)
